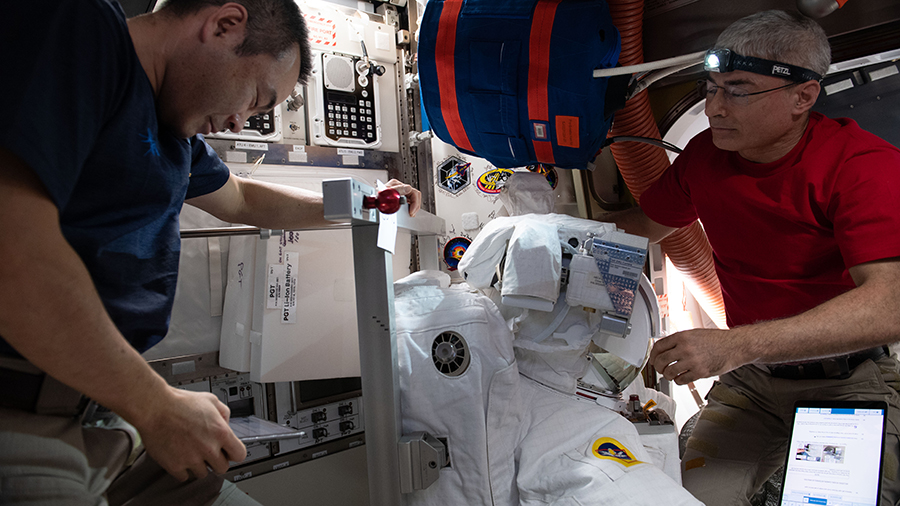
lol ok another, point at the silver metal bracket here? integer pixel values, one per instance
(343, 200)
(615, 325)
(421, 458)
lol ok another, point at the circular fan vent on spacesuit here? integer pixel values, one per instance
(450, 354)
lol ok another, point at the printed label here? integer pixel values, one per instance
(259, 146)
(625, 269)
(567, 131)
(322, 30)
(275, 289)
(289, 305)
(351, 152)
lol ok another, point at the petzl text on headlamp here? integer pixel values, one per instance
(726, 60)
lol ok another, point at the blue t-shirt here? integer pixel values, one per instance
(82, 115)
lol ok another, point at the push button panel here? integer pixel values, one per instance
(351, 115)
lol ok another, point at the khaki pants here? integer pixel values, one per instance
(741, 437)
(55, 461)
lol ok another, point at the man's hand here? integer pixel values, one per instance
(187, 432)
(699, 353)
(413, 196)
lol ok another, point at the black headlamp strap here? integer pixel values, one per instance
(725, 60)
(772, 68)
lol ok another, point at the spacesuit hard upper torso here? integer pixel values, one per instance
(513, 438)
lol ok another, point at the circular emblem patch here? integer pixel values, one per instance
(453, 251)
(610, 449)
(491, 181)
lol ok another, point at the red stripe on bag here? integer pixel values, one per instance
(445, 50)
(539, 72)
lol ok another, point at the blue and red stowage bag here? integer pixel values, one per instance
(512, 81)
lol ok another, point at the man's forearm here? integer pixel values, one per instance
(864, 317)
(634, 221)
(266, 205)
(278, 206)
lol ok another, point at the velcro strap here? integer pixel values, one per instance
(445, 62)
(538, 76)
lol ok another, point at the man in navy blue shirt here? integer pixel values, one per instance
(98, 153)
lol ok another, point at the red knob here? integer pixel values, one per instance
(387, 201)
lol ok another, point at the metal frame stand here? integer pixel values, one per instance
(377, 334)
(378, 364)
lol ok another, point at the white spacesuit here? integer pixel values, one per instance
(493, 373)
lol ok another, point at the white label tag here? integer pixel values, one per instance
(259, 146)
(275, 290)
(299, 148)
(236, 157)
(289, 305)
(352, 152)
(387, 231)
(387, 226)
(624, 269)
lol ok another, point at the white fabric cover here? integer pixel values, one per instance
(557, 464)
(560, 359)
(477, 411)
(482, 257)
(538, 258)
(479, 263)
(513, 441)
(526, 193)
(234, 342)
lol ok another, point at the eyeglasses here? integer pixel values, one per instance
(732, 94)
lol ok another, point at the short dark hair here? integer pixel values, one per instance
(273, 26)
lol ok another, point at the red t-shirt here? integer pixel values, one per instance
(784, 233)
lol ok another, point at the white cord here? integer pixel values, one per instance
(646, 81)
(669, 62)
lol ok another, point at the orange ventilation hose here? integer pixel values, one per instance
(642, 164)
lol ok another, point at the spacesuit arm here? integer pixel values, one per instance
(51, 313)
(270, 205)
(864, 317)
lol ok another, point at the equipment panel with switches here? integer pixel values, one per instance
(324, 423)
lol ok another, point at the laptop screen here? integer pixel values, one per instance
(835, 453)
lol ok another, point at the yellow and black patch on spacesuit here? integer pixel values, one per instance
(608, 448)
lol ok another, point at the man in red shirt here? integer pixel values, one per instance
(802, 213)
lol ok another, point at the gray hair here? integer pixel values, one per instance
(780, 36)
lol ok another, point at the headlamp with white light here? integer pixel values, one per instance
(726, 60)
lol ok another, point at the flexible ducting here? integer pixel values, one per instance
(642, 164)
